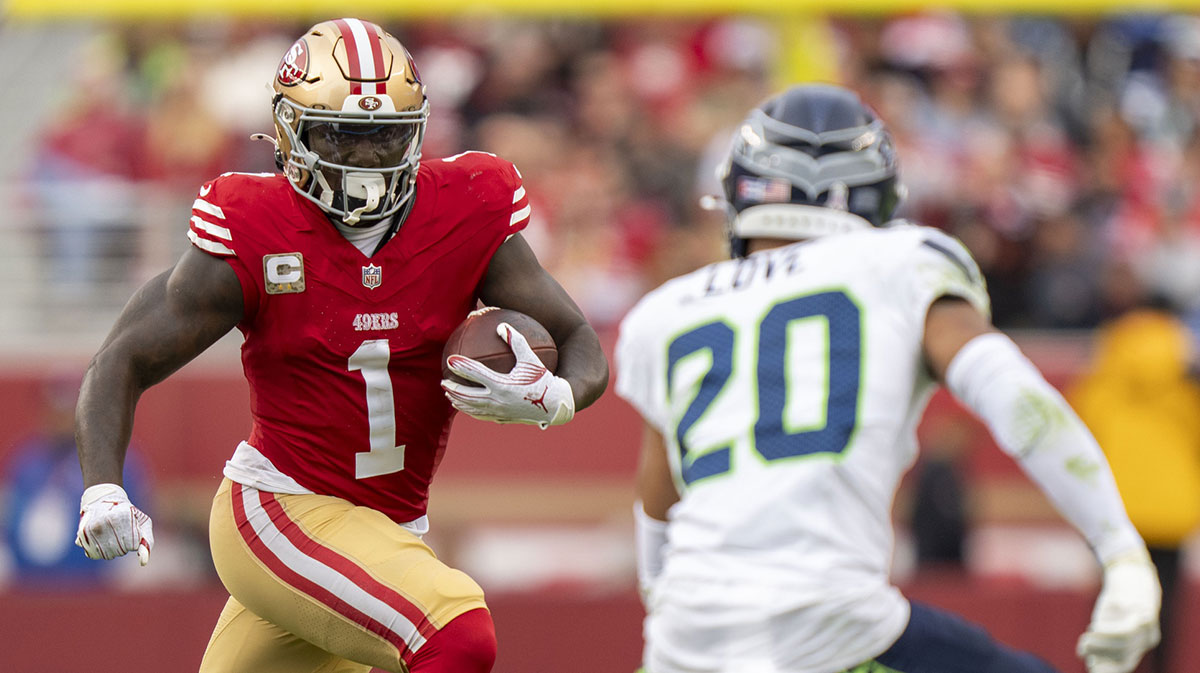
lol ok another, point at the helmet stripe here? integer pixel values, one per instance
(376, 41)
(362, 45)
(364, 54)
(352, 54)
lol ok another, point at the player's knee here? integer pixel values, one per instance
(474, 642)
(465, 645)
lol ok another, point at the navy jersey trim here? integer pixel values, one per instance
(967, 269)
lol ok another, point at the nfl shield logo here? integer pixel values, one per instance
(372, 276)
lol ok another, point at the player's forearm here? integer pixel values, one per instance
(1031, 421)
(582, 363)
(104, 419)
(115, 379)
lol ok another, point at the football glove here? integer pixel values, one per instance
(110, 526)
(1125, 619)
(528, 394)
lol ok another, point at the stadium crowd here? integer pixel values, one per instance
(1063, 151)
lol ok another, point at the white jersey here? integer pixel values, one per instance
(788, 386)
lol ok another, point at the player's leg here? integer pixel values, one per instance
(466, 645)
(347, 579)
(936, 641)
(243, 641)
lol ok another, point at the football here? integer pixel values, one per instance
(477, 339)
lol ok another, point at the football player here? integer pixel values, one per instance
(346, 275)
(781, 391)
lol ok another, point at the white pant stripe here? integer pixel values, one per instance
(319, 573)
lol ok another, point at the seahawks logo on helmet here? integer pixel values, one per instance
(827, 149)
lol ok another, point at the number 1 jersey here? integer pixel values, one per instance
(343, 351)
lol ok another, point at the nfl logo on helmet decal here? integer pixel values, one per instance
(372, 276)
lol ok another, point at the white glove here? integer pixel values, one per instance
(1125, 620)
(110, 526)
(528, 394)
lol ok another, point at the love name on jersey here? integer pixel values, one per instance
(743, 273)
(365, 322)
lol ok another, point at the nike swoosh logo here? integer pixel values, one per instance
(205, 190)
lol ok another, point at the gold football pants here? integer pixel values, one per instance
(318, 585)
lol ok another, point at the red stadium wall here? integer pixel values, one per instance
(569, 631)
(187, 427)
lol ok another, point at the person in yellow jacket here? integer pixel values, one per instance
(1141, 399)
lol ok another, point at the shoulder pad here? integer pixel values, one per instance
(495, 184)
(220, 202)
(954, 250)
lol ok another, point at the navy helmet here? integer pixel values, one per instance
(810, 161)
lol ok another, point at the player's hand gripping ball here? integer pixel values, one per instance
(477, 338)
(499, 366)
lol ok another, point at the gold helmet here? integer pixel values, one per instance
(350, 114)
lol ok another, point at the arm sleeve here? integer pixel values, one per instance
(651, 541)
(1032, 422)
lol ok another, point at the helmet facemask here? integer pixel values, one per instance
(358, 166)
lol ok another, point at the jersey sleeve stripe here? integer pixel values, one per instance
(520, 215)
(212, 247)
(519, 194)
(208, 208)
(967, 269)
(213, 229)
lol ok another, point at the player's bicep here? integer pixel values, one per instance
(516, 280)
(174, 317)
(950, 323)
(656, 487)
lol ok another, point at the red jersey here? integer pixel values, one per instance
(343, 351)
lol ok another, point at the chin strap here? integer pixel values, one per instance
(367, 186)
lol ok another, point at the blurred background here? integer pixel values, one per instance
(1060, 144)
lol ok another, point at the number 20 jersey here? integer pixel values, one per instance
(788, 387)
(343, 351)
